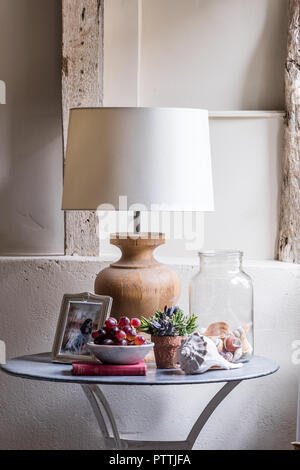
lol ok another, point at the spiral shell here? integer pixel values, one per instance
(232, 343)
(218, 342)
(241, 333)
(198, 354)
(219, 328)
(227, 355)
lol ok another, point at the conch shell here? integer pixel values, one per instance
(232, 343)
(198, 354)
(218, 342)
(241, 333)
(219, 328)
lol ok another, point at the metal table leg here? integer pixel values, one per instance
(99, 405)
(102, 409)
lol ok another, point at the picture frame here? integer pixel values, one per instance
(80, 314)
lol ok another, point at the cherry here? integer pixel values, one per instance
(95, 334)
(139, 340)
(124, 321)
(110, 323)
(120, 334)
(135, 322)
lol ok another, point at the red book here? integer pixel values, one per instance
(95, 368)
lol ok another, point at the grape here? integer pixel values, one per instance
(107, 342)
(98, 340)
(120, 342)
(110, 323)
(113, 331)
(135, 322)
(95, 334)
(124, 321)
(120, 334)
(139, 340)
(101, 334)
(131, 335)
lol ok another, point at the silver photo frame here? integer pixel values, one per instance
(80, 314)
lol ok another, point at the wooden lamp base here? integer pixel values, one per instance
(138, 284)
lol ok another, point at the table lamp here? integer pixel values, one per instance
(159, 158)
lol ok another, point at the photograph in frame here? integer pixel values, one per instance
(80, 314)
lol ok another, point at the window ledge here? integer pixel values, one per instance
(245, 114)
(175, 261)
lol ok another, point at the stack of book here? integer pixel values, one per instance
(98, 369)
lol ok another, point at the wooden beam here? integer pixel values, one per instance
(82, 86)
(289, 230)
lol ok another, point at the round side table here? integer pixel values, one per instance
(40, 367)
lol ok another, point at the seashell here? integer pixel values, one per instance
(237, 354)
(227, 355)
(232, 343)
(219, 328)
(198, 354)
(241, 333)
(218, 342)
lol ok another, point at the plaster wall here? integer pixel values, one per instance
(259, 414)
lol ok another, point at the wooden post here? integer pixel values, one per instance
(289, 231)
(82, 86)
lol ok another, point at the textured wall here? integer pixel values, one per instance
(258, 414)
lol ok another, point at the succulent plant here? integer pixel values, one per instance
(171, 322)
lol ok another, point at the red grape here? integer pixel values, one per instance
(100, 333)
(113, 331)
(110, 323)
(120, 334)
(120, 342)
(99, 340)
(139, 340)
(135, 322)
(131, 335)
(107, 342)
(124, 321)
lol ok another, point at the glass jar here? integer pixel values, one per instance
(221, 294)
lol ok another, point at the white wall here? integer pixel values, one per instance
(259, 414)
(220, 55)
(246, 158)
(215, 54)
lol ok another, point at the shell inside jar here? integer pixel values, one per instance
(232, 345)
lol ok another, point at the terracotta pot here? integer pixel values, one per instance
(138, 284)
(165, 349)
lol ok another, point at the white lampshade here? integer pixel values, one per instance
(154, 156)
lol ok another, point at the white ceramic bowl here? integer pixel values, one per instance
(120, 354)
